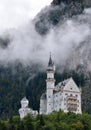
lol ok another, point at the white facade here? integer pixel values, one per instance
(65, 96)
(24, 110)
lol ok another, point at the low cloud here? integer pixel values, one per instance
(14, 13)
(29, 47)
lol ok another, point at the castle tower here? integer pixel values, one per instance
(24, 110)
(50, 84)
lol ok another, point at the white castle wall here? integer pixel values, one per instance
(65, 96)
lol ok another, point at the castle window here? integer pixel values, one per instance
(66, 94)
(71, 95)
(72, 104)
(76, 95)
(64, 99)
(71, 88)
(49, 96)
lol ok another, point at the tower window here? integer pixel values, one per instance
(66, 94)
(71, 95)
(64, 99)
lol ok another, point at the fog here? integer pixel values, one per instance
(29, 47)
(14, 13)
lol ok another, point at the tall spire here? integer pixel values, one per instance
(50, 61)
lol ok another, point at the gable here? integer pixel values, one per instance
(71, 86)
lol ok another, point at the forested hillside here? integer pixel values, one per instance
(59, 12)
(54, 121)
(18, 81)
(23, 55)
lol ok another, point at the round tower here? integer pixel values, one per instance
(50, 84)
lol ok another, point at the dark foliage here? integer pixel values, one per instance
(54, 121)
(17, 82)
(57, 13)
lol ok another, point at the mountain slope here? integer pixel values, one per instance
(59, 11)
(68, 28)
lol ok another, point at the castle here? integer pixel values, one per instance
(25, 110)
(65, 96)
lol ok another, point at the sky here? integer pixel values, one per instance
(14, 13)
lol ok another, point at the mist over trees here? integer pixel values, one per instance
(65, 30)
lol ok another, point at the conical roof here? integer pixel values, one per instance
(50, 63)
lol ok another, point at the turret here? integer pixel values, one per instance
(50, 74)
(24, 102)
(24, 110)
(50, 84)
